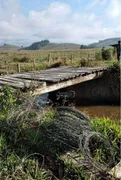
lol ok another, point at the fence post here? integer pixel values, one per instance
(34, 61)
(71, 57)
(88, 56)
(48, 58)
(34, 64)
(18, 68)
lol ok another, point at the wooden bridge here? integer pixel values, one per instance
(45, 81)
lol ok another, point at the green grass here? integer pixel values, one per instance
(38, 60)
(112, 130)
(25, 149)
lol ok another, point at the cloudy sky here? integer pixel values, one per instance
(80, 21)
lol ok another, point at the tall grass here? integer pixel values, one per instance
(38, 60)
(25, 150)
(112, 131)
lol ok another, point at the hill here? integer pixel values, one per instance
(46, 45)
(9, 47)
(37, 45)
(104, 43)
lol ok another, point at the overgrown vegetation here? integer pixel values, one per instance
(7, 99)
(106, 54)
(112, 131)
(114, 78)
(28, 148)
(37, 60)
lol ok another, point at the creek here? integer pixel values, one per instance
(93, 111)
(101, 111)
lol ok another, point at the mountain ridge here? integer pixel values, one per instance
(47, 45)
(9, 47)
(63, 46)
(105, 42)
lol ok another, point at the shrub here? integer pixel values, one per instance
(106, 54)
(15, 59)
(23, 59)
(114, 79)
(98, 56)
(115, 68)
(7, 99)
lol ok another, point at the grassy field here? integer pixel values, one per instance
(21, 61)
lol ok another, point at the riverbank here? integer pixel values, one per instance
(29, 148)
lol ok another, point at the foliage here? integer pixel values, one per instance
(106, 54)
(98, 56)
(17, 168)
(30, 141)
(114, 78)
(112, 131)
(22, 60)
(37, 60)
(19, 139)
(7, 99)
(87, 46)
(115, 68)
(84, 47)
(87, 63)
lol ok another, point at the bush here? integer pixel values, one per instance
(7, 99)
(106, 54)
(115, 68)
(23, 59)
(98, 56)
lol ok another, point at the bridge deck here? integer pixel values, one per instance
(51, 79)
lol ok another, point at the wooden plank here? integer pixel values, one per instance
(66, 83)
(22, 82)
(12, 80)
(48, 74)
(60, 70)
(51, 77)
(19, 83)
(11, 84)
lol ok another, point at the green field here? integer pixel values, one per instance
(22, 61)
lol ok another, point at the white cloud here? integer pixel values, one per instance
(96, 3)
(114, 9)
(8, 8)
(58, 22)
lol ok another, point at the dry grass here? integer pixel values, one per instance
(38, 60)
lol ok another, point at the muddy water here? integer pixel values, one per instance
(100, 111)
(112, 112)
